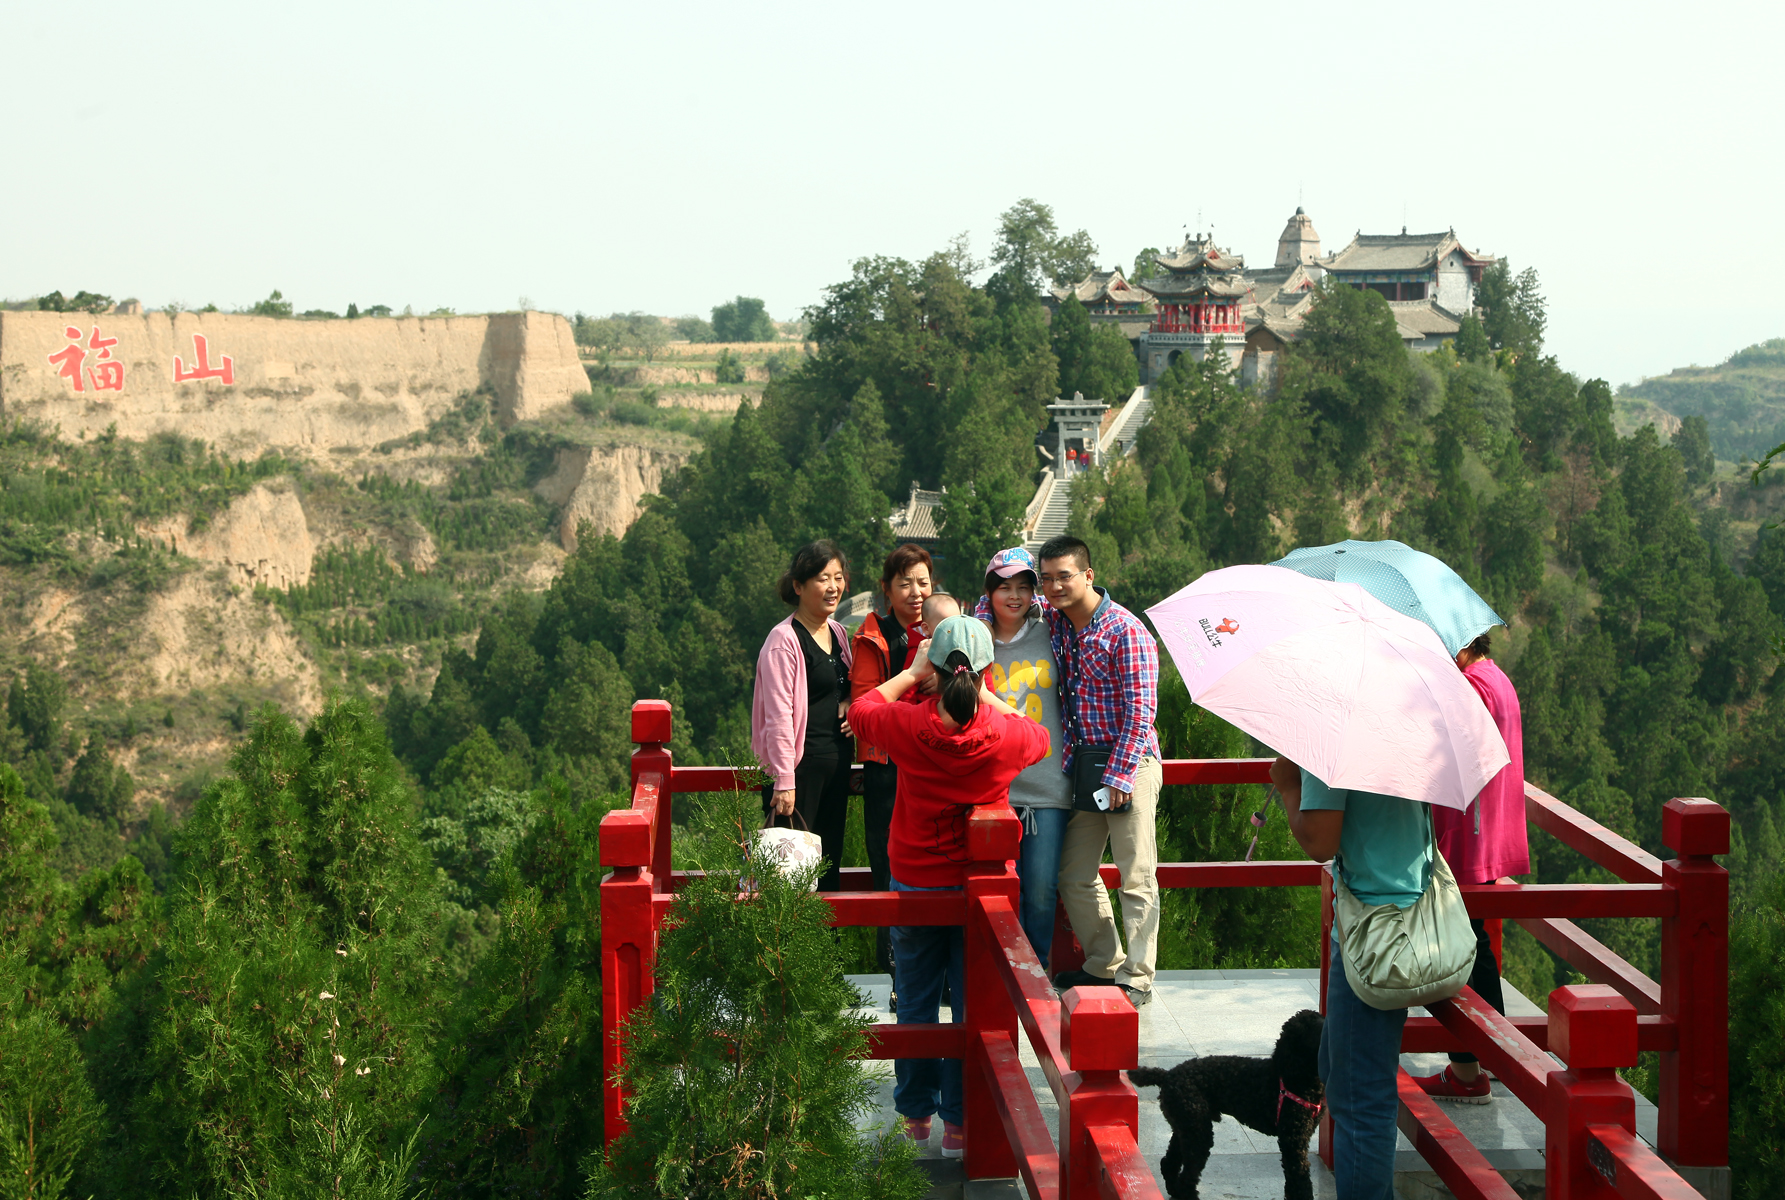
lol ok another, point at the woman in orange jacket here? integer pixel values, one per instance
(881, 649)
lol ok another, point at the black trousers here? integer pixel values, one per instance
(821, 798)
(1485, 979)
(880, 784)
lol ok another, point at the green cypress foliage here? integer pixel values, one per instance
(286, 1037)
(745, 1068)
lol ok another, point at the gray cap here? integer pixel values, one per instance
(969, 635)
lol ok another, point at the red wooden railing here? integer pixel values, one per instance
(1087, 1039)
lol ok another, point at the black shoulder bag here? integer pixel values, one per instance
(1089, 761)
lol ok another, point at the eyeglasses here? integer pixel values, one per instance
(1068, 577)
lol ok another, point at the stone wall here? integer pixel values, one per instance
(245, 383)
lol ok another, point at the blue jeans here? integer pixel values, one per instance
(1360, 1054)
(924, 956)
(1038, 866)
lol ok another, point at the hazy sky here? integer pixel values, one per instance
(669, 156)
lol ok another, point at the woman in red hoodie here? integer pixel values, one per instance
(954, 753)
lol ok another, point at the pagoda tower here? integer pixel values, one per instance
(1197, 304)
(1299, 242)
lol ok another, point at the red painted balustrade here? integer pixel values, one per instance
(1086, 1040)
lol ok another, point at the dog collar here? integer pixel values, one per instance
(1284, 1093)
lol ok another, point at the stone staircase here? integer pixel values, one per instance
(1127, 426)
(1051, 521)
(1052, 506)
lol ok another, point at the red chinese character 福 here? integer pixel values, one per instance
(201, 364)
(106, 375)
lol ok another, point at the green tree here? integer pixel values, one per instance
(99, 788)
(1350, 371)
(519, 1103)
(588, 716)
(1111, 371)
(1146, 263)
(274, 305)
(1514, 309)
(297, 993)
(1472, 341)
(1031, 252)
(34, 704)
(984, 507)
(1070, 337)
(694, 329)
(1693, 442)
(50, 1121)
(744, 319)
(729, 368)
(746, 1070)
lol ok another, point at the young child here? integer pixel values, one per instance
(937, 608)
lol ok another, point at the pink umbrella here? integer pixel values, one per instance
(1335, 680)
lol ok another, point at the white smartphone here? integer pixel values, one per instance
(1101, 795)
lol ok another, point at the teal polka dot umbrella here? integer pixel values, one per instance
(1405, 579)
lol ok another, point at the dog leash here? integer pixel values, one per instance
(1284, 1093)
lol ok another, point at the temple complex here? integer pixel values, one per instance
(1198, 305)
(1206, 294)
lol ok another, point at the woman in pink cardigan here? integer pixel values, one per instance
(799, 719)
(1484, 843)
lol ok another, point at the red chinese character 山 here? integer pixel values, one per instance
(106, 374)
(201, 364)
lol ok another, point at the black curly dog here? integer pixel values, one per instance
(1280, 1095)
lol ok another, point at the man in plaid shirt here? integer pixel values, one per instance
(1109, 693)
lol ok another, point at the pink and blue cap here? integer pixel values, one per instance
(1010, 562)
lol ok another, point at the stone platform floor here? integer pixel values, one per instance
(1198, 1013)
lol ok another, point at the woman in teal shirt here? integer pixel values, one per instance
(1382, 848)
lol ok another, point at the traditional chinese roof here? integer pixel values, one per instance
(1424, 319)
(919, 520)
(1280, 294)
(1199, 253)
(1103, 287)
(1384, 252)
(1172, 287)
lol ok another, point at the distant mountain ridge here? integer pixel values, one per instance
(1742, 399)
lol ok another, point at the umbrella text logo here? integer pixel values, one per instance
(1214, 632)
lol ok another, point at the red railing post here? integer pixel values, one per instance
(1593, 1030)
(1326, 966)
(1065, 954)
(652, 725)
(1100, 1038)
(628, 947)
(1694, 1116)
(993, 834)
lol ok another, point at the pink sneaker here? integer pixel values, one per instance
(954, 1140)
(918, 1129)
(1448, 1087)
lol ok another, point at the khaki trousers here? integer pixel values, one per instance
(1132, 845)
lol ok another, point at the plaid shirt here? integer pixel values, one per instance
(1113, 669)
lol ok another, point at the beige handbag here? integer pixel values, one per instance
(1404, 957)
(788, 851)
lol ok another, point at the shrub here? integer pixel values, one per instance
(730, 368)
(745, 1070)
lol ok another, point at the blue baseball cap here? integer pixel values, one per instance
(1013, 561)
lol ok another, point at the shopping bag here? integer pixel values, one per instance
(787, 851)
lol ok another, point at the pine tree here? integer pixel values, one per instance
(289, 1021)
(745, 1070)
(1070, 336)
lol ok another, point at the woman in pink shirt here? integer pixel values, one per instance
(799, 719)
(1484, 843)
